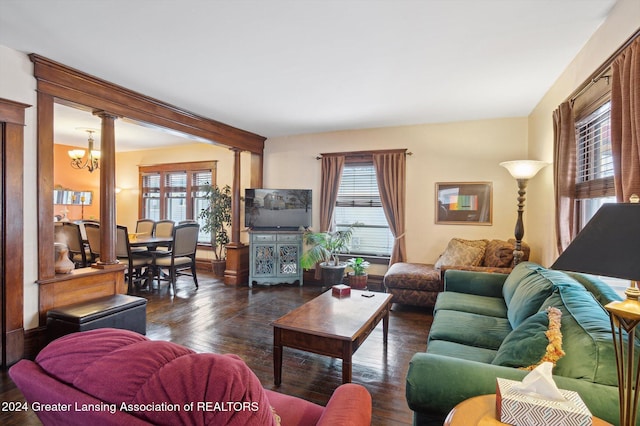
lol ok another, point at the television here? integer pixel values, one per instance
(277, 209)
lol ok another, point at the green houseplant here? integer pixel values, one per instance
(358, 276)
(216, 220)
(324, 250)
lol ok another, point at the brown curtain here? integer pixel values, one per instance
(625, 121)
(332, 166)
(391, 177)
(564, 173)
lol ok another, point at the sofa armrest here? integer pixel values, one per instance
(437, 383)
(474, 282)
(38, 387)
(350, 404)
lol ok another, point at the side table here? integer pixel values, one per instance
(481, 411)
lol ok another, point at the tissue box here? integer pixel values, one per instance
(341, 290)
(520, 409)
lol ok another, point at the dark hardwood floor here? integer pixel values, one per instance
(224, 319)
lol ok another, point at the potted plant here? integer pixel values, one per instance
(358, 275)
(216, 219)
(325, 248)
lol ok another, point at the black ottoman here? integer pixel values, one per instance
(116, 311)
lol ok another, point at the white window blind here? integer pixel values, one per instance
(176, 191)
(359, 203)
(151, 195)
(594, 163)
(199, 182)
(176, 194)
(594, 171)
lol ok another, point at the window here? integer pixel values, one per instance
(176, 191)
(359, 202)
(594, 168)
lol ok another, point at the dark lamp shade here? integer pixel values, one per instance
(609, 245)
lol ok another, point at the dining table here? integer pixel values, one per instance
(151, 243)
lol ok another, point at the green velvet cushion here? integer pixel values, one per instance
(526, 344)
(586, 337)
(458, 350)
(519, 272)
(483, 305)
(600, 290)
(528, 297)
(469, 329)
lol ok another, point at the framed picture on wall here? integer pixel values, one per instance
(464, 203)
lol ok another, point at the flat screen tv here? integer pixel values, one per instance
(277, 208)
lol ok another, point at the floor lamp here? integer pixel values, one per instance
(609, 245)
(522, 171)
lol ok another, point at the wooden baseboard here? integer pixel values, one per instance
(34, 340)
(204, 265)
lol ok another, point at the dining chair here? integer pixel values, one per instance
(145, 226)
(73, 240)
(134, 262)
(182, 256)
(92, 230)
(164, 228)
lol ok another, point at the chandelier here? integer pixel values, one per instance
(92, 161)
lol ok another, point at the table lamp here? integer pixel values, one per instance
(609, 245)
(522, 171)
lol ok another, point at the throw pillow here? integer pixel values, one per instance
(459, 252)
(554, 349)
(526, 344)
(499, 254)
(528, 297)
(536, 340)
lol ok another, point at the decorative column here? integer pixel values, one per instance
(237, 271)
(107, 190)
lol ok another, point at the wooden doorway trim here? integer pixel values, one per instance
(12, 121)
(62, 84)
(68, 84)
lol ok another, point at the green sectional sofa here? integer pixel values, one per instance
(490, 325)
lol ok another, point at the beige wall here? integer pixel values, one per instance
(451, 152)
(622, 22)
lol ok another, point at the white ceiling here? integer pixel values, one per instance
(284, 67)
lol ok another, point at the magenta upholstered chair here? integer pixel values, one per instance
(158, 382)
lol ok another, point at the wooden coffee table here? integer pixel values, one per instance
(331, 326)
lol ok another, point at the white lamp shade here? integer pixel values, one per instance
(524, 169)
(76, 154)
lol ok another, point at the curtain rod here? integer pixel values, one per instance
(362, 153)
(600, 72)
(591, 83)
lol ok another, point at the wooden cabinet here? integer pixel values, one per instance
(274, 257)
